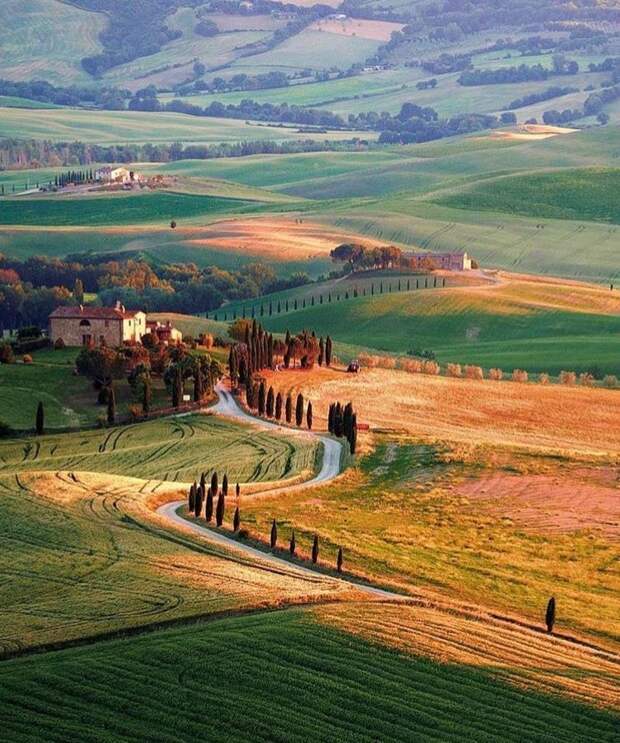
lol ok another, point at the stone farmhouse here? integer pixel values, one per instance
(446, 261)
(121, 175)
(86, 326)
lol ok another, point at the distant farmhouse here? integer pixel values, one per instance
(123, 176)
(112, 326)
(446, 261)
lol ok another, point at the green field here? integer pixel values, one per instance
(122, 127)
(274, 677)
(172, 449)
(121, 209)
(585, 194)
(482, 329)
(46, 39)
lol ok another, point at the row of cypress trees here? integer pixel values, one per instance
(292, 547)
(271, 405)
(284, 305)
(342, 422)
(199, 495)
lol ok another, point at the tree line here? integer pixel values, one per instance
(17, 154)
(342, 423)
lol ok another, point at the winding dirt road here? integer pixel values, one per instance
(330, 468)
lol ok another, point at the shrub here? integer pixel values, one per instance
(474, 372)
(206, 340)
(59, 344)
(412, 366)
(27, 358)
(519, 375)
(568, 377)
(135, 412)
(543, 378)
(586, 379)
(431, 367)
(496, 374)
(611, 381)
(454, 370)
(6, 354)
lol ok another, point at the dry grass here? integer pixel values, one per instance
(577, 420)
(364, 29)
(283, 239)
(514, 652)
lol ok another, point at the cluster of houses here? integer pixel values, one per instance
(111, 326)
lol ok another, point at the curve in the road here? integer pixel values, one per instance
(330, 468)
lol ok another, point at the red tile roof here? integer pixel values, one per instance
(92, 313)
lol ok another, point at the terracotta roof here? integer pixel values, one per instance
(92, 313)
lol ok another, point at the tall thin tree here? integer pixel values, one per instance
(209, 505)
(550, 614)
(111, 405)
(315, 548)
(273, 539)
(40, 421)
(309, 416)
(339, 560)
(299, 410)
(289, 408)
(292, 546)
(219, 510)
(278, 411)
(236, 520)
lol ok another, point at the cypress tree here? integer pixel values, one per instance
(270, 403)
(225, 485)
(203, 482)
(192, 497)
(209, 506)
(177, 387)
(289, 408)
(309, 416)
(198, 504)
(236, 520)
(237, 490)
(278, 406)
(147, 395)
(78, 291)
(219, 510)
(273, 539)
(321, 351)
(214, 483)
(550, 615)
(330, 418)
(291, 545)
(339, 560)
(353, 435)
(315, 549)
(111, 405)
(347, 418)
(338, 429)
(249, 393)
(261, 399)
(40, 420)
(198, 383)
(299, 410)
(328, 351)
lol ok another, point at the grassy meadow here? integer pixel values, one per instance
(174, 449)
(588, 195)
(69, 400)
(46, 39)
(119, 209)
(343, 690)
(518, 324)
(402, 517)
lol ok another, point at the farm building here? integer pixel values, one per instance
(113, 326)
(108, 174)
(85, 326)
(446, 261)
(165, 332)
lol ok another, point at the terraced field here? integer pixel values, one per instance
(253, 663)
(170, 449)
